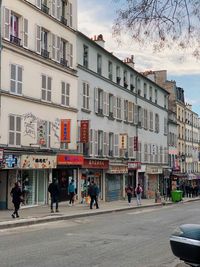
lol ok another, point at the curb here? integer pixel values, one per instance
(34, 221)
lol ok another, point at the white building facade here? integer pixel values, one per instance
(127, 116)
(38, 95)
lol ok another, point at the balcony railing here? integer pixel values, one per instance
(63, 20)
(45, 9)
(64, 62)
(44, 53)
(15, 40)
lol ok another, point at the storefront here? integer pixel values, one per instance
(116, 178)
(34, 176)
(93, 170)
(68, 167)
(133, 173)
(154, 175)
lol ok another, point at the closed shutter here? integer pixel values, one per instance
(58, 15)
(135, 114)
(53, 8)
(7, 14)
(116, 145)
(58, 42)
(114, 107)
(95, 143)
(38, 3)
(11, 130)
(105, 103)
(70, 54)
(130, 146)
(18, 131)
(38, 39)
(105, 144)
(142, 117)
(19, 80)
(96, 100)
(49, 88)
(53, 38)
(70, 15)
(91, 143)
(25, 33)
(130, 112)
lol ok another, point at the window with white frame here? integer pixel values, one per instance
(65, 93)
(46, 87)
(156, 96)
(145, 90)
(118, 75)
(151, 121)
(14, 130)
(126, 110)
(145, 152)
(44, 43)
(86, 96)
(130, 112)
(70, 56)
(70, 11)
(100, 143)
(56, 45)
(111, 105)
(56, 9)
(16, 79)
(63, 53)
(119, 108)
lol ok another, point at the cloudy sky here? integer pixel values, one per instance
(97, 16)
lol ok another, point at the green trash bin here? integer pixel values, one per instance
(177, 195)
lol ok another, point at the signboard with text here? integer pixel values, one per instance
(84, 131)
(65, 131)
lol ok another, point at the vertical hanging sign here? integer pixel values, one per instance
(84, 131)
(65, 131)
(135, 143)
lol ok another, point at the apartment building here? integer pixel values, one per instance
(126, 117)
(38, 97)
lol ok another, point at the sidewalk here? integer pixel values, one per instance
(41, 214)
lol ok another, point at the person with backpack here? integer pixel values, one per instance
(138, 192)
(54, 191)
(129, 192)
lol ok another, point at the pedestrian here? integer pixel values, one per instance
(71, 191)
(54, 191)
(129, 192)
(93, 192)
(138, 192)
(16, 195)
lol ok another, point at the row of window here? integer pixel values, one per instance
(122, 77)
(115, 107)
(16, 85)
(172, 139)
(48, 45)
(103, 144)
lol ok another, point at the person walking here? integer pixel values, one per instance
(16, 195)
(71, 191)
(129, 192)
(138, 192)
(93, 192)
(54, 191)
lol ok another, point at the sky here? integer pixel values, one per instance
(97, 16)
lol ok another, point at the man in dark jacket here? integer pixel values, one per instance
(16, 194)
(93, 192)
(54, 192)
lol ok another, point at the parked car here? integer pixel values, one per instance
(185, 243)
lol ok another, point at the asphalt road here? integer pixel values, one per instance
(133, 238)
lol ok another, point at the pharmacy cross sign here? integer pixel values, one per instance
(11, 160)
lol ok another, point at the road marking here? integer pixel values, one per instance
(143, 211)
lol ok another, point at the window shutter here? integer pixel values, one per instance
(130, 111)
(38, 3)
(58, 42)
(53, 46)
(38, 39)
(25, 33)
(96, 100)
(130, 146)
(114, 107)
(142, 117)
(13, 76)
(7, 14)
(116, 145)
(80, 145)
(105, 144)
(58, 15)
(71, 55)
(104, 103)
(136, 114)
(48, 89)
(91, 148)
(19, 80)
(107, 104)
(95, 143)
(53, 8)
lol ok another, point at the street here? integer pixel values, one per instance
(138, 238)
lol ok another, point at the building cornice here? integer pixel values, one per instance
(37, 101)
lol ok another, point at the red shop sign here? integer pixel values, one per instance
(96, 164)
(65, 159)
(84, 132)
(134, 165)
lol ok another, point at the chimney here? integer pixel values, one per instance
(99, 40)
(130, 61)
